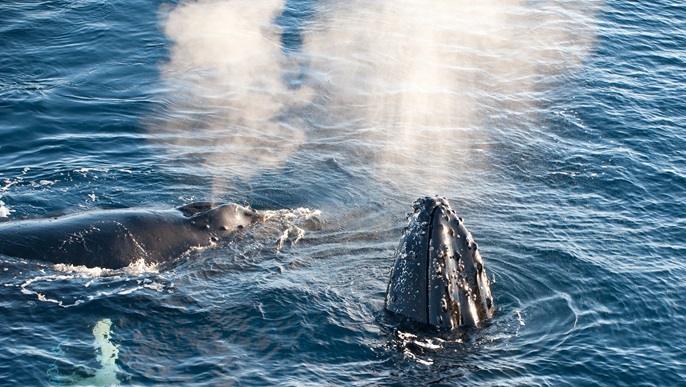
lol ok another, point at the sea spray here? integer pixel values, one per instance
(422, 79)
(421, 86)
(230, 106)
(4, 211)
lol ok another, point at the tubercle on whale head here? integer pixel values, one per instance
(226, 219)
(438, 277)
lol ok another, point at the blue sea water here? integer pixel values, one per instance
(555, 128)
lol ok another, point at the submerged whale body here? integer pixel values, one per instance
(115, 238)
(438, 278)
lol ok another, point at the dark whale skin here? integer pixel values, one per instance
(114, 239)
(438, 278)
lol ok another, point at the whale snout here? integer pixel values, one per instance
(232, 217)
(438, 277)
(221, 220)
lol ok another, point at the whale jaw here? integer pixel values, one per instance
(438, 277)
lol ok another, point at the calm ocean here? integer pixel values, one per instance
(555, 128)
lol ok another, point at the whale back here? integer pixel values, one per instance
(115, 238)
(193, 209)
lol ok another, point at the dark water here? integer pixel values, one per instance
(556, 129)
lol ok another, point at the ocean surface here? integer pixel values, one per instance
(555, 128)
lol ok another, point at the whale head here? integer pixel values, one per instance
(439, 277)
(220, 220)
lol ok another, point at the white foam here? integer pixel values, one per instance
(519, 318)
(292, 214)
(409, 341)
(86, 170)
(4, 211)
(95, 278)
(137, 267)
(290, 224)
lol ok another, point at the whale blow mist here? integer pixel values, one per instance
(224, 77)
(426, 78)
(420, 80)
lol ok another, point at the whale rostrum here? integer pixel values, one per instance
(439, 277)
(115, 238)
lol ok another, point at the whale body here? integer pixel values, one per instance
(439, 278)
(115, 238)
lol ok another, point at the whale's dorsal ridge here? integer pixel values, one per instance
(193, 209)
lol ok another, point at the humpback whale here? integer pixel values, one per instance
(113, 239)
(438, 278)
